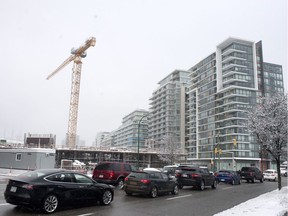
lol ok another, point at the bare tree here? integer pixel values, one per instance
(268, 121)
(168, 150)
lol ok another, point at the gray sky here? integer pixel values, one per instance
(138, 42)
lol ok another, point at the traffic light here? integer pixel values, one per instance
(215, 151)
(220, 151)
(235, 142)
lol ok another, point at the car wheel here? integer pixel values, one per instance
(214, 185)
(154, 192)
(233, 182)
(106, 198)
(253, 179)
(175, 190)
(120, 183)
(202, 185)
(262, 180)
(128, 193)
(248, 180)
(180, 186)
(50, 203)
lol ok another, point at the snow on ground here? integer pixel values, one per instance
(274, 203)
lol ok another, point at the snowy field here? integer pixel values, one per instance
(274, 203)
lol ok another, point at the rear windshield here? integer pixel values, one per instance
(104, 166)
(139, 175)
(32, 174)
(190, 170)
(247, 169)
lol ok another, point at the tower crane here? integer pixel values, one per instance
(76, 56)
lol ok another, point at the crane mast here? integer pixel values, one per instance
(77, 55)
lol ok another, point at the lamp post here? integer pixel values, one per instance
(138, 142)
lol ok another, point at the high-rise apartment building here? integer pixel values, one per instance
(223, 87)
(134, 128)
(167, 109)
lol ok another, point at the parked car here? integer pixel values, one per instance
(196, 176)
(228, 176)
(170, 169)
(47, 189)
(251, 174)
(283, 170)
(150, 183)
(112, 173)
(270, 174)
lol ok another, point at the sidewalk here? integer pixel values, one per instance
(11, 172)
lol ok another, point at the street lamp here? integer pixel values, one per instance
(138, 156)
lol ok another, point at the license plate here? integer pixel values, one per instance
(222, 179)
(13, 189)
(100, 176)
(133, 183)
(185, 175)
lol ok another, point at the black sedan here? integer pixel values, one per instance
(47, 189)
(150, 183)
(228, 176)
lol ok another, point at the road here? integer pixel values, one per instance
(189, 202)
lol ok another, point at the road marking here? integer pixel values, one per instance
(4, 204)
(178, 197)
(86, 214)
(226, 188)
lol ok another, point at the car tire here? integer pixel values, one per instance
(154, 192)
(50, 203)
(202, 185)
(175, 190)
(120, 183)
(128, 193)
(253, 179)
(233, 182)
(214, 185)
(262, 180)
(106, 197)
(180, 186)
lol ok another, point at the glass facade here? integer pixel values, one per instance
(167, 108)
(223, 87)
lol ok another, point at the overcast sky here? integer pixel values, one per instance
(138, 42)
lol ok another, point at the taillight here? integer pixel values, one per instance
(27, 187)
(126, 179)
(216, 174)
(145, 181)
(110, 174)
(178, 174)
(195, 175)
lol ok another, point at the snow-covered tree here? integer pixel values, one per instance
(168, 150)
(268, 122)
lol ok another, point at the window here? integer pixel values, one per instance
(82, 179)
(127, 167)
(18, 156)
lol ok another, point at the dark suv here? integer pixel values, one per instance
(112, 173)
(199, 177)
(251, 174)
